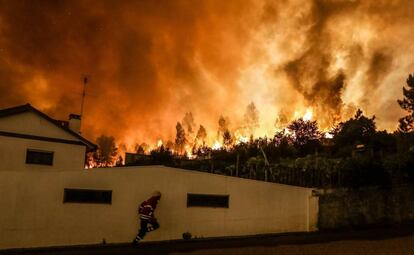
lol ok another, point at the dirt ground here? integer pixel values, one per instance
(376, 241)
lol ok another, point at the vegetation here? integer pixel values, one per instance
(106, 155)
(356, 155)
(407, 123)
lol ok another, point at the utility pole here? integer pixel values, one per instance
(266, 162)
(85, 80)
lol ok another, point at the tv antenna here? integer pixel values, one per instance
(85, 80)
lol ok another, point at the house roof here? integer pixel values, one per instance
(58, 123)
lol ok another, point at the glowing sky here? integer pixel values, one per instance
(150, 62)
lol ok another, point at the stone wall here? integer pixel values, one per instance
(346, 208)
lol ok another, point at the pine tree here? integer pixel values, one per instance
(227, 139)
(251, 118)
(201, 135)
(180, 139)
(407, 123)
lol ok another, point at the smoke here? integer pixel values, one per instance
(152, 61)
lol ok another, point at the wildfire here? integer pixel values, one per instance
(189, 152)
(242, 139)
(217, 145)
(159, 143)
(308, 115)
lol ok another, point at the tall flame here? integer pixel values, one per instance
(217, 145)
(308, 115)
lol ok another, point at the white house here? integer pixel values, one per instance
(29, 139)
(47, 198)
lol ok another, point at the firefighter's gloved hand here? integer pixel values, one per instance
(150, 227)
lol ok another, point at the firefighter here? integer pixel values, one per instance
(146, 215)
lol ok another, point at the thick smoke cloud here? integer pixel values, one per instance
(150, 62)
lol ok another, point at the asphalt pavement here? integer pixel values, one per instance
(374, 240)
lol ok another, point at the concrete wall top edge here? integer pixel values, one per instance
(124, 169)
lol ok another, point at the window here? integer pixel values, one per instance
(87, 196)
(39, 157)
(205, 200)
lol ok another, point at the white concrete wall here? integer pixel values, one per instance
(33, 213)
(66, 157)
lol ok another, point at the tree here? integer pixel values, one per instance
(227, 139)
(281, 121)
(358, 129)
(304, 131)
(282, 141)
(169, 145)
(188, 123)
(406, 124)
(161, 156)
(139, 149)
(180, 139)
(201, 135)
(107, 151)
(251, 118)
(223, 126)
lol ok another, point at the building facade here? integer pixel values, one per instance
(31, 140)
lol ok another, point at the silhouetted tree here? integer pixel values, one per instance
(227, 139)
(180, 139)
(303, 131)
(283, 143)
(169, 145)
(406, 124)
(201, 135)
(223, 126)
(281, 121)
(188, 123)
(358, 129)
(107, 150)
(251, 118)
(161, 156)
(141, 148)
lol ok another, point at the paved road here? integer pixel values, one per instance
(376, 241)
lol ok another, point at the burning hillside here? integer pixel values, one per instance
(150, 62)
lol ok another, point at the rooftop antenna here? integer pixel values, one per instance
(85, 80)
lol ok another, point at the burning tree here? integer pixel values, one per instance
(141, 148)
(223, 126)
(201, 135)
(227, 139)
(107, 151)
(406, 124)
(281, 121)
(180, 139)
(188, 123)
(251, 118)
